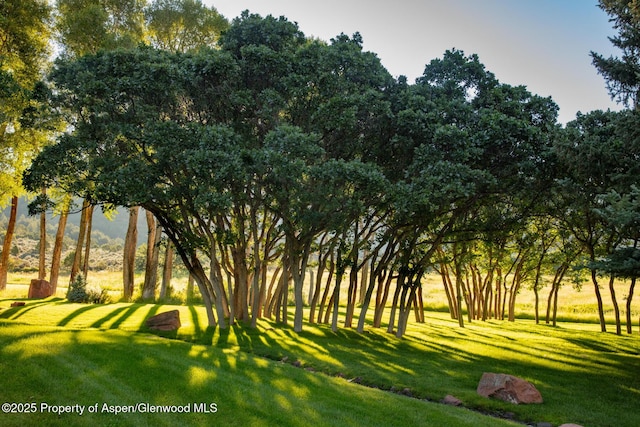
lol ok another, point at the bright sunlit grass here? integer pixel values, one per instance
(570, 364)
(116, 368)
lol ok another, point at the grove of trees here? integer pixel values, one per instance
(261, 152)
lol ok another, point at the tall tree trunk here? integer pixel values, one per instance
(327, 288)
(215, 279)
(352, 293)
(129, 255)
(458, 293)
(151, 264)
(367, 297)
(381, 296)
(336, 297)
(77, 256)
(42, 269)
(394, 308)
(270, 297)
(165, 288)
(629, 298)
(190, 289)
(614, 301)
(85, 266)
(596, 286)
(315, 288)
(57, 246)
(6, 245)
(257, 267)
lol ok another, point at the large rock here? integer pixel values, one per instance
(40, 289)
(167, 321)
(508, 388)
(451, 400)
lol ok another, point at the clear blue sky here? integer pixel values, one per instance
(542, 44)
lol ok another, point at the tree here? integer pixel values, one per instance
(274, 146)
(24, 37)
(57, 246)
(183, 25)
(466, 153)
(87, 26)
(622, 74)
(594, 158)
(154, 235)
(129, 253)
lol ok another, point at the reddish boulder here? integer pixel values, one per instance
(167, 321)
(451, 400)
(40, 289)
(17, 304)
(508, 388)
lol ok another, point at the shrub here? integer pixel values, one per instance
(97, 296)
(78, 292)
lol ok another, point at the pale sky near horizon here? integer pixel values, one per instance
(542, 44)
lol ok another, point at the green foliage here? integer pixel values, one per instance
(25, 119)
(78, 291)
(183, 25)
(87, 26)
(622, 74)
(277, 129)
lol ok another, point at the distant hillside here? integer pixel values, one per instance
(107, 238)
(114, 228)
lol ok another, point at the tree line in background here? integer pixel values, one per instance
(256, 150)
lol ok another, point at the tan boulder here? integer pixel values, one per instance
(508, 388)
(40, 289)
(167, 321)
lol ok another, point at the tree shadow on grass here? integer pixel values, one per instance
(75, 314)
(14, 313)
(128, 312)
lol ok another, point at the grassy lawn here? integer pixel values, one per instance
(61, 353)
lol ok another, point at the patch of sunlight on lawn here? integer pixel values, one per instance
(49, 344)
(284, 402)
(288, 386)
(199, 377)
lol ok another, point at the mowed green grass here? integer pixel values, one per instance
(55, 366)
(66, 353)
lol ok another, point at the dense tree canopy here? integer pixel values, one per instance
(252, 154)
(262, 152)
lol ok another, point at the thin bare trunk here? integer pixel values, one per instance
(77, 256)
(57, 247)
(596, 287)
(336, 299)
(614, 301)
(6, 246)
(190, 290)
(129, 255)
(394, 307)
(87, 250)
(42, 269)
(151, 264)
(167, 270)
(381, 296)
(629, 298)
